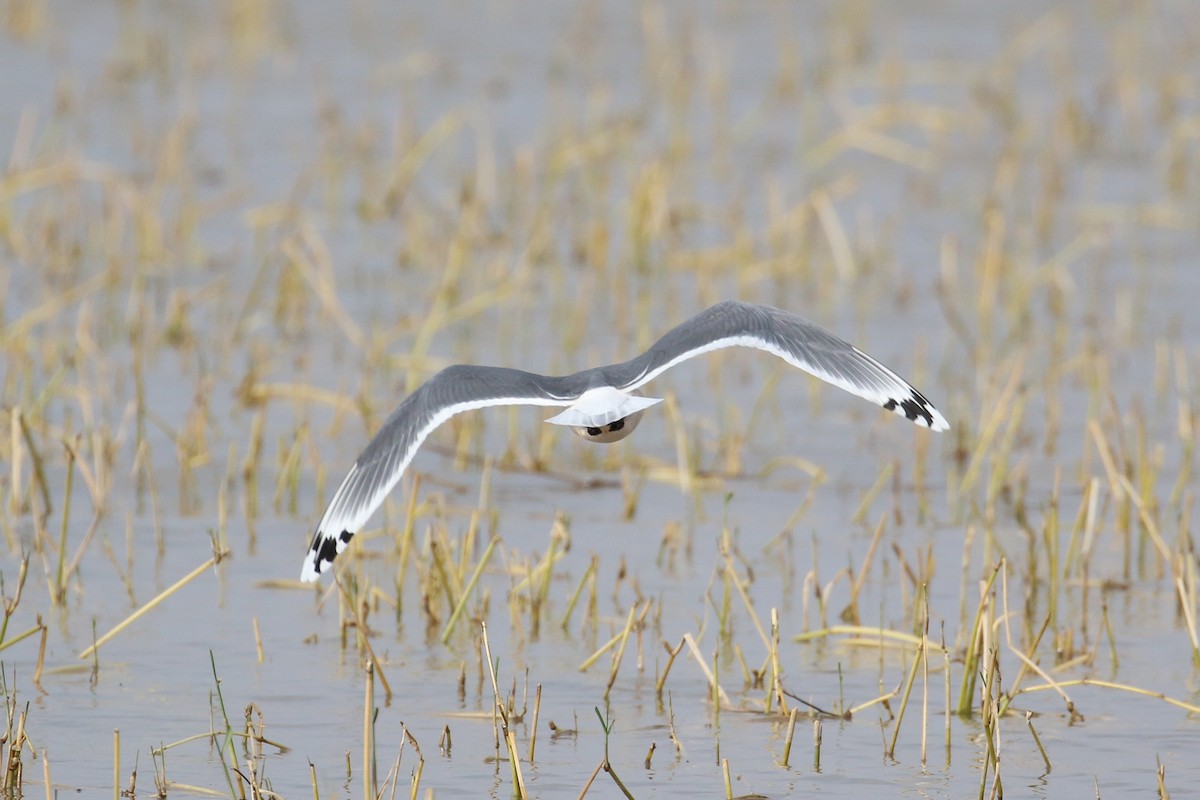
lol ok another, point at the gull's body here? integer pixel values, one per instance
(602, 403)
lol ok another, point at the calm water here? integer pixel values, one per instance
(691, 142)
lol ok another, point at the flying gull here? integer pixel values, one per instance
(603, 404)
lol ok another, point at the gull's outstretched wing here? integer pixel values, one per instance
(451, 391)
(797, 341)
(801, 343)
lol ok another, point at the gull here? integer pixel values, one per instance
(602, 404)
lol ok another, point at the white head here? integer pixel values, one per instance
(604, 414)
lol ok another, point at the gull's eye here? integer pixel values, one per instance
(612, 432)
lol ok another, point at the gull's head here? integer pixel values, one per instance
(604, 414)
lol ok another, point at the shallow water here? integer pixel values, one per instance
(595, 174)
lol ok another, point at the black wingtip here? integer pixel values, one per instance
(919, 410)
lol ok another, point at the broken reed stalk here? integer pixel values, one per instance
(618, 639)
(59, 591)
(620, 655)
(791, 732)
(417, 771)
(974, 645)
(683, 456)
(41, 659)
(1037, 740)
(407, 536)
(662, 679)
(258, 645)
(1026, 659)
(10, 606)
(990, 720)
(850, 612)
(510, 739)
(229, 735)
(16, 488)
(359, 611)
(39, 469)
(771, 643)
(946, 691)
(718, 694)
(818, 736)
(864, 505)
(918, 657)
(163, 595)
(589, 573)
(925, 683)
(991, 428)
(466, 593)
(537, 709)
(1187, 606)
(368, 771)
(873, 636)
(776, 691)
(1191, 708)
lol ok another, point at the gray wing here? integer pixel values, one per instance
(801, 343)
(451, 391)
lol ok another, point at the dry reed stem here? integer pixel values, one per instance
(262, 393)
(684, 473)
(358, 610)
(510, 739)
(537, 709)
(864, 505)
(918, 657)
(308, 253)
(368, 733)
(870, 636)
(662, 678)
(619, 638)
(1027, 662)
(719, 695)
(589, 573)
(1191, 708)
(163, 595)
(620, 654)
(835, 234)
(466, 593)
(20, 328)
(1000, 410)
(731, 572)
(850, 612)
(1118, 481)
(1037, 740)
(975, 644)
(787, 741)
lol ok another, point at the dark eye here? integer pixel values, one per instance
(616, 426)
(594, 431)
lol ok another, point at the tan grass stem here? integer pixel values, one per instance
(466, 592)
(787, 741)
(719, 695)
(151, 604)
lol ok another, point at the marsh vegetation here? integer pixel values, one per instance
(232, 239)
